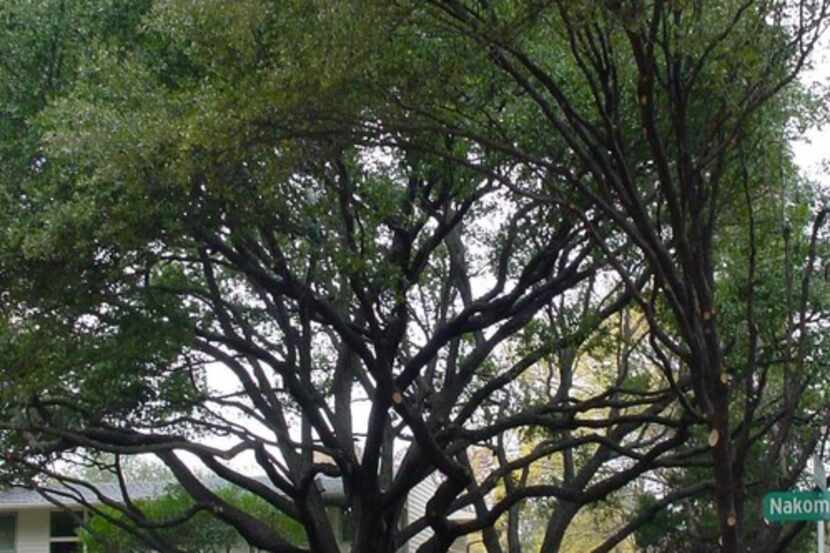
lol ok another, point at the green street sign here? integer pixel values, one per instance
(793, 506)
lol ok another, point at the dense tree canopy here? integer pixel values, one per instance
(555, 251)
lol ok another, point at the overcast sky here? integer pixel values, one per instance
(814, 148)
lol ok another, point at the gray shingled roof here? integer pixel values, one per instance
(21, 498)
(18, 498)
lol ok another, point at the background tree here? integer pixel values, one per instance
(171, 520)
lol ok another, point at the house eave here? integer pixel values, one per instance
(8, 507)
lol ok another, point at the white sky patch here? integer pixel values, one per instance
(812, 150)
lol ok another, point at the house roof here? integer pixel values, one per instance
(22, 498)
(16, 498)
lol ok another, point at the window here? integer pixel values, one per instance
(63, 534)
(7, 533)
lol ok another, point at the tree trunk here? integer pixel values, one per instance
(724, 478)
(558, 523)
(375, 528)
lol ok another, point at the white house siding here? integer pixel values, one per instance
(32, 531)
(459, 546)
(417, 507)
